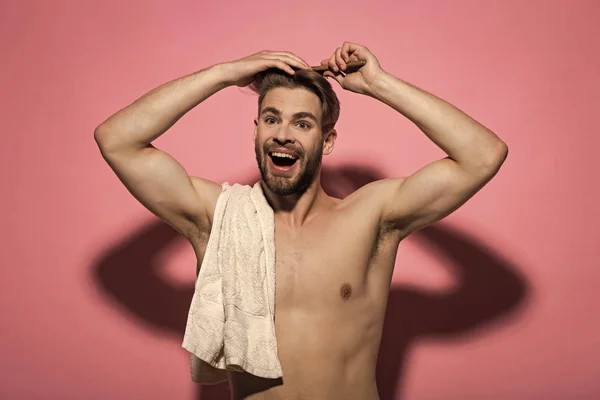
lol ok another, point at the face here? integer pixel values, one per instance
(288, 140)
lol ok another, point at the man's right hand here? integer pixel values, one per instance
(242, 72)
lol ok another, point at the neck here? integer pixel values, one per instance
(297, 209)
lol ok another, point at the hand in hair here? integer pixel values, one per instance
(359, 81)
(242, 72)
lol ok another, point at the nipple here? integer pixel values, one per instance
(346, 291)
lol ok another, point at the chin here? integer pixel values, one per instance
(283, 186)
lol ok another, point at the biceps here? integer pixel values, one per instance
(160, 183)
(430, 194)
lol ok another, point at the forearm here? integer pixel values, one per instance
(138, 124)
(464, 140)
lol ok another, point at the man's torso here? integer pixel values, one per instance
(332, 284)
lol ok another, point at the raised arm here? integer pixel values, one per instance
(152, 176)
(475, 153)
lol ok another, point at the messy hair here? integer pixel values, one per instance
(306, 79)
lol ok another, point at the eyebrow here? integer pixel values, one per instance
(298, 115)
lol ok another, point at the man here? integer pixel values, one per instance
(334, 258)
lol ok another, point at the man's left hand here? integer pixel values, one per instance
(360, 81)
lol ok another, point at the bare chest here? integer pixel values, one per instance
(324, 264)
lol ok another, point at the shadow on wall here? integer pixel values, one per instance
(488, 288)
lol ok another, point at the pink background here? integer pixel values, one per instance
(495, 302)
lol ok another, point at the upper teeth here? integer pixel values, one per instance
(283, 155)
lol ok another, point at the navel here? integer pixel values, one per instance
(346, 291)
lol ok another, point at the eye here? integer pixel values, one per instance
(305, 125)
(269, 119)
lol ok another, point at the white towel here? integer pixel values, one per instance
(231, 324)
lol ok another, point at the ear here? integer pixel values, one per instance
(255, 129)
(329, 142)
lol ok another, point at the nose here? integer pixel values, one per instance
(283, 135)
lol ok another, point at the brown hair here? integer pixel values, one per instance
(307, 79)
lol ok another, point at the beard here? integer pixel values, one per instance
(285, 185)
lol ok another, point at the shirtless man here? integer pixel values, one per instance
(334, 258)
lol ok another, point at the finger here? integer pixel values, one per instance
(277, 63)
(332, 64)
(347, 50)
(299, 59)
(292, 62)
(350, 48)
(291, 55)
(286, 67)
(353, 57)
(325, 62)
(355, 52)
(339, 78)
(338, 59)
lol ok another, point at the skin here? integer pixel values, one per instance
(334, 258)
(329, 320)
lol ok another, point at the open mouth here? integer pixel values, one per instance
(283, 160)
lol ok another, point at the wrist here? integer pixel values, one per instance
(222, 75)
(380, 84)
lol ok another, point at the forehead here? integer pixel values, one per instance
(291, 101)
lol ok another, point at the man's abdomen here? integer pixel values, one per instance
(325, 354)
